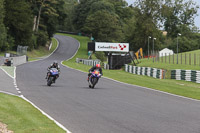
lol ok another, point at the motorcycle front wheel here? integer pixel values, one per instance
(49, 81)
(94, 82)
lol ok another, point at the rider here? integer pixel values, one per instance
(54, 65)
(97, 67)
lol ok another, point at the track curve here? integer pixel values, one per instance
(110, 108)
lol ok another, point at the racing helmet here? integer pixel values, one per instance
(98, 65)
(55, 63)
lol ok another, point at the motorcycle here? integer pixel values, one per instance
(93, 79)
(52, 76)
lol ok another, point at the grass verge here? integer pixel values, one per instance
(9, 70)
(21, 117)
(36, 54)
(170, 64)
(182, 88)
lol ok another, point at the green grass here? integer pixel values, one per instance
(9, 70)
(21, 117)
(82, 53)
(38, 53)
(182, 88)
(173, 65)
(2, 53)
(41, 51)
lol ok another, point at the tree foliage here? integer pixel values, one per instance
(106, 29)
(33, 22)
(18, 19)
(3, 34)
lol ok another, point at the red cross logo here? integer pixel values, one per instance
(122, 47)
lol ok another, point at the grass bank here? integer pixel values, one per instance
(36, 54)
(21, 117)
(41, 51)
(9, 70)
(182, 88)
(170, 65)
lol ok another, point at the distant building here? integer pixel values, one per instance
(164, 33)
(166, 52)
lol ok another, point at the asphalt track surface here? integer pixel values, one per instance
(111, 107)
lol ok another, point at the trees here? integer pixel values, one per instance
(178, 17)
(81, 12)
(33, 22)
(143, 23)
(18, 19)
(45, 20)
(3, 34)
(107, 29)
(177, 13)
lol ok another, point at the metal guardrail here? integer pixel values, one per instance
(15, 61)
(88, 62)
(148, 71)
(106, 66)
(187, 75)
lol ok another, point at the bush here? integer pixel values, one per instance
(33, 42)
(101, 56)
(42, 38)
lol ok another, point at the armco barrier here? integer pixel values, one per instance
(187, 75)
(106, 66)
(87, 62)
(151, 72)
(18, 60)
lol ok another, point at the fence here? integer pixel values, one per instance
(151, 72)
(182, 58)
(21, 50)
(88, 62)
(187, 75)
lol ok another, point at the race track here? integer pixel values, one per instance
(110, 108)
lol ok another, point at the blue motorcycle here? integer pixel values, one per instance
(93, 79)
(53, 74)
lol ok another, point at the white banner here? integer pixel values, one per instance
(116, 47)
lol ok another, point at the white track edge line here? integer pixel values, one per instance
(7, 73)
(48, 116)
(140, 86)
(48, 55)
(8, 93)
(73, 55)
(57, 123)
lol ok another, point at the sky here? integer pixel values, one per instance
(197, 19)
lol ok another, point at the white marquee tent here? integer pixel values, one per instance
(166, 52)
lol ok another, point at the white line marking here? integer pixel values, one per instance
(60, 125)
(48, 55)
(21, 96)
(140, 86)
(8, 93)
(76, 50)
(7, 73)
(15, 74)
